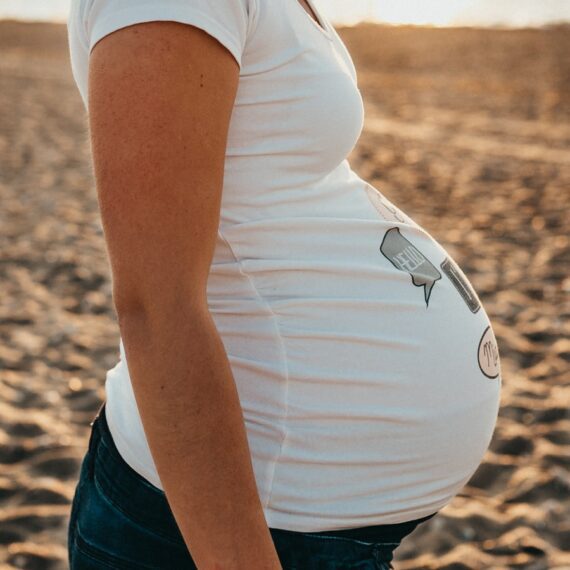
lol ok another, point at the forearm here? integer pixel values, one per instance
(194, 425)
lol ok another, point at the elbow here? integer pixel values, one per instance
(162, 307)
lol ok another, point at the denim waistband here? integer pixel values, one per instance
(122, 483)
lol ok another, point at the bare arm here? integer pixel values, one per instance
(160, 101)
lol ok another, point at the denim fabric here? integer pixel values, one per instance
(119, 520)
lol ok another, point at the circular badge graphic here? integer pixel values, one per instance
(488, 354)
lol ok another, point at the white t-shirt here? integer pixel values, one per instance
(366, 367)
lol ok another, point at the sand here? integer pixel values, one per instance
(467, 130)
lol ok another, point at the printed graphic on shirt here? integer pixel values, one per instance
(384, 207)
(388, 211)
(460, 282)
(488, 354)
(406, 257)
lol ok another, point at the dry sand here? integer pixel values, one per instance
(466, 130)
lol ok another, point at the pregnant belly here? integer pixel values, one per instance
(369, 303)
(389, 370)
(375, 318)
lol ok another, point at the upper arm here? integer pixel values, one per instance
(161, 95)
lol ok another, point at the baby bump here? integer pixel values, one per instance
(457, 348)
(372, 315)
(370, 294)
(395, 363)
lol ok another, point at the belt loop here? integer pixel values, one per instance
(383, 555)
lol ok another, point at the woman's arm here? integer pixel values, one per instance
(160, 100)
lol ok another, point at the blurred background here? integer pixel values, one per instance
(467, 130)
(342, 12)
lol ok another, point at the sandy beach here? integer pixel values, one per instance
(467, 130)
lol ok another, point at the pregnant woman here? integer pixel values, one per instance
(305, 374)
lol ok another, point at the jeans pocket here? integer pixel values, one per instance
(103, 532)
(105, 537)
(131, 495)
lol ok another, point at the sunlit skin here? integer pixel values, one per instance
(161, 96)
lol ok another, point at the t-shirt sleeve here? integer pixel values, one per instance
(225, 20)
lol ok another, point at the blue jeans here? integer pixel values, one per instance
(121, 521)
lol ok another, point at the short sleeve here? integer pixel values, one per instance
(225, 20)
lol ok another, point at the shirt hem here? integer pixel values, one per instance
(287, 521)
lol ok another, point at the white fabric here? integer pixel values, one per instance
(369, 381)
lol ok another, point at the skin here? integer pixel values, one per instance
(160, 101)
